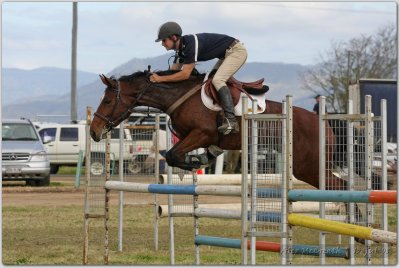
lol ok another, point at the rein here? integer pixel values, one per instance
(182, 99)
(110, 124)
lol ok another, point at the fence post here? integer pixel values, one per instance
(79, 169)
(322, 166)
(369, 128)
(121, 193)
(156, 177)
(87, 170)
(385, 247)
(287, 241)
(170, 203)
(350, 164)
(106, 199)
(244, 131)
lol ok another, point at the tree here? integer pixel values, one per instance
(367, 56)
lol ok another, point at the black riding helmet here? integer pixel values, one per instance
(168, 29)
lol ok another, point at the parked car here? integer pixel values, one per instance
(64, 141)
(23, 154)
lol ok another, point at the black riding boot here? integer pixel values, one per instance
(230, 125)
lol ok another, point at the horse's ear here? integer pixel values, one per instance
(104, 79)
(111, 82)
(108, 81)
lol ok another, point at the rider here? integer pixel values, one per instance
(203, 47)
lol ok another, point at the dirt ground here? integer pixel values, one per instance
(19, 195)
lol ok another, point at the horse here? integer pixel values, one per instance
(196, 125)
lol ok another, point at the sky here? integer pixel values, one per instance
(38, 34)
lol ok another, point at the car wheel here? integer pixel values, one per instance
(43, 182)
(134, 167)
(39, 182)
(31, 183)
(54, 169)
(97, 168)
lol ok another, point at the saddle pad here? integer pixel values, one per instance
(261, 104)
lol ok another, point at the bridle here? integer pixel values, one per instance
(109, 123)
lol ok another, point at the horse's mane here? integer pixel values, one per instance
(138, 74)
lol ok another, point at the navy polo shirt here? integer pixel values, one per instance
(208, 46)
(316, 108)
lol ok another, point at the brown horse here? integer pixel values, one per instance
(196, 125)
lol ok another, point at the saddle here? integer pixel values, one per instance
(236, 87)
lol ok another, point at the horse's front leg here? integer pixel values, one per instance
(176, 157)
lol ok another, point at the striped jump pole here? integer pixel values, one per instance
(174, 189)
(297, 207)
(270, 246)
(222, 190)
(382, 197)
(370, 197)
(206, 212)
(367, 233)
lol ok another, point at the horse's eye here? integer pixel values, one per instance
(107, 101)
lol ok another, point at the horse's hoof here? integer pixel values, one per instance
(196, 160)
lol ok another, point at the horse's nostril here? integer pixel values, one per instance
(93, 134)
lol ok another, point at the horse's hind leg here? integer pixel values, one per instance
(336, 183)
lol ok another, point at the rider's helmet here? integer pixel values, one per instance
(168, 29)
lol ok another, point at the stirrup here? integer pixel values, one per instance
(229, 128)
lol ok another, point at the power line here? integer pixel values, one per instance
(323, 8)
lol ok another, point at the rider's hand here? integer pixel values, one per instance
(154, 78)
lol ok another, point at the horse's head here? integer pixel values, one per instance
(113, 109)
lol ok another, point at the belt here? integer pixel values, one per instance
(233, 44)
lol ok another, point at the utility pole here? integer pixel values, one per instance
(74, 109)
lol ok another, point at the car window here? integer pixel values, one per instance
(18, 131)
(115, 133)
(69, 134)
(142, 134)
(48, 132)
(145, 120)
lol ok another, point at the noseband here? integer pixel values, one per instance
(109, 123)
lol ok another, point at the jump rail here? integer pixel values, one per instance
(270, 246)
(297, 207)
(382, 197)
(343, 228)
(174, 189)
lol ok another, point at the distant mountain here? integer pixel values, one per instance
(23, 85)
(282, 79)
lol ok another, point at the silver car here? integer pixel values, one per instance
(23, 154)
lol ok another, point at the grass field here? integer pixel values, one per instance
(67, 170)
(54, 235)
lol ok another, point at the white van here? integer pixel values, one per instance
(64, 141)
